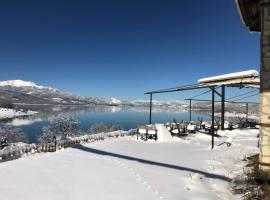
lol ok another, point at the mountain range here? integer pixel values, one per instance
(25, 93)
(20, 92)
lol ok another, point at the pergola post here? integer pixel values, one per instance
(222, 106)
(150, 114)
(246, 111)
(213, 116)
(264, 159)
(190, 110)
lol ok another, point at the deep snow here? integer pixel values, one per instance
(128, 169)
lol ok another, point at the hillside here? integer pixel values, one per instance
(20, 92)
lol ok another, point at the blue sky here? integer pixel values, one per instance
(122, 48)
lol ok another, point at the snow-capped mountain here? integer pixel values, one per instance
(19, 92)
(26, 92)
(19, 83)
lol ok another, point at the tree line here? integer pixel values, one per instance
(60, 128)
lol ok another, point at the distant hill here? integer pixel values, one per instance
(229, 107)
(20, 92)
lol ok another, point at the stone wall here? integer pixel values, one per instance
(265, 87)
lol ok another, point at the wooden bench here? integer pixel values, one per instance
(147, 132)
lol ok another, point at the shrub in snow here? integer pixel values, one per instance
(48, 136)
(64, 125)
(115, 127)
(103, 128)
(12, 134)
(60, 127)
(98, 128)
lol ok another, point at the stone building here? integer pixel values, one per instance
(256, 16)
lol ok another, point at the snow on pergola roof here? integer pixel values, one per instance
(245, 78)
(239, 79)
(231, 76)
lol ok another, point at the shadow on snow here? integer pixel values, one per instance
(149, 162)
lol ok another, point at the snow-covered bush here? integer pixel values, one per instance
(65, 125)
(98, 128)
(115, 127)
(60, 127)
(48, 136)
(12, 134)
(102, 128)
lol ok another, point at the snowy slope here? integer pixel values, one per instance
(129, 169)
(27, 92)
(20, 83)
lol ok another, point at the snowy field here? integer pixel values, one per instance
(11, 113)
(128, 169)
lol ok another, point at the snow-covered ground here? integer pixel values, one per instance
(128, 169)
(242, 115)
(10, 113)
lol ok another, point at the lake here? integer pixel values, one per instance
(127, 117)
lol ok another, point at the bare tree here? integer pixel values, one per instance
(48, 136)
(103, 128)
(64, 125)
(115, 127)
(12, 134)
(98, 128)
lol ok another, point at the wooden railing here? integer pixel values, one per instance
(13, 151)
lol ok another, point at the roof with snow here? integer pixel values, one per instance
(248, 79)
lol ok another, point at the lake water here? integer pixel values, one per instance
(127, 117)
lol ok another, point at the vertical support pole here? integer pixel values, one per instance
(213, 115)
(189, 110)
(222, 106)
(246, 111)
(150, 115)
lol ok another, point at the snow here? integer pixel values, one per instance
(191, 127)
(22, 83)
(253, 116)
(19, 83)
(163, 134)
(125, 168)
(115, 101)
(243, 74)
(11, 113)
(23, 122)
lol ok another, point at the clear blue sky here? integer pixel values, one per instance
(122, 48)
